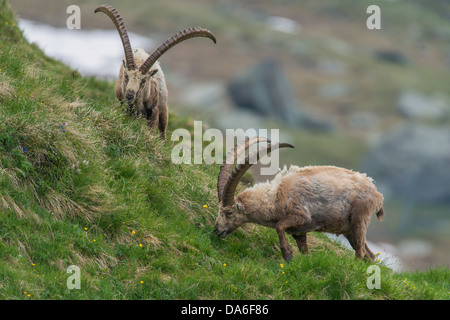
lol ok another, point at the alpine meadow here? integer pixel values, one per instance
(83, 183)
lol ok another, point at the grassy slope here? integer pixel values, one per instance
(83, 184)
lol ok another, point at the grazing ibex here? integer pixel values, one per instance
(298, 200)
(141, 83)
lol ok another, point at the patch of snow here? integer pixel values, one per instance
(92, 52)
(283, 24)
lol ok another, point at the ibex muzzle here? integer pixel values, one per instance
(129, 96)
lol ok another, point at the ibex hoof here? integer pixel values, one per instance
(288, 257)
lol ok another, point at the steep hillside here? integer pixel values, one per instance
(83, 184)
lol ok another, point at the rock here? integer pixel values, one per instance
(412, 104)
(203, 95)
(415, 248)
(332, 67)
(334, 90)
(283, 24)
(265, 90)
(239, 119)
(362, 121)
(391, 56)
(412, 163)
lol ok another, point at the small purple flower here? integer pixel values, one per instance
(24, 149)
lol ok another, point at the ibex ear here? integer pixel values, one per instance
(123, 62)
(153, 72)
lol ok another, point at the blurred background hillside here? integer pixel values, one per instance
(376, 101)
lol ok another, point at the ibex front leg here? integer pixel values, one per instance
(291, 221)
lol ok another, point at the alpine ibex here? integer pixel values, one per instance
(141, 83)
(298, 200)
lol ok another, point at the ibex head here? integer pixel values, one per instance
(232, 211)
(134, 82)
(135, 77)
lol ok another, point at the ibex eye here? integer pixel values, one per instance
(228, 213)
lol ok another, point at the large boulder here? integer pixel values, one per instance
(415, 105)
(412, 163)
(264, 89)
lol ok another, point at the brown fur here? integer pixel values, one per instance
(300, 200)
(149, 93)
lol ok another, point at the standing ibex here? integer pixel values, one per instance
(141, 83)
(298, 200)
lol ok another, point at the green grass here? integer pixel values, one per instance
(83, 184)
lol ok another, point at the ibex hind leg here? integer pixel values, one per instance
(301, 242)
(357, 239)
(369, 254)
(359, 249)
(360, 218)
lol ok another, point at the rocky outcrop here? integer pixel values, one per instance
(415, 105)
(413, 163)
(264, 89)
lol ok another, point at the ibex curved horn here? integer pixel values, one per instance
(120, 26)
(230, 160)
(234, 178)
(174, 40)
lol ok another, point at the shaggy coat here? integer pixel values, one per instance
(300, 200)
(141, 84)
(149, 92)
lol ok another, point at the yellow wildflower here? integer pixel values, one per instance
(205, 206)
